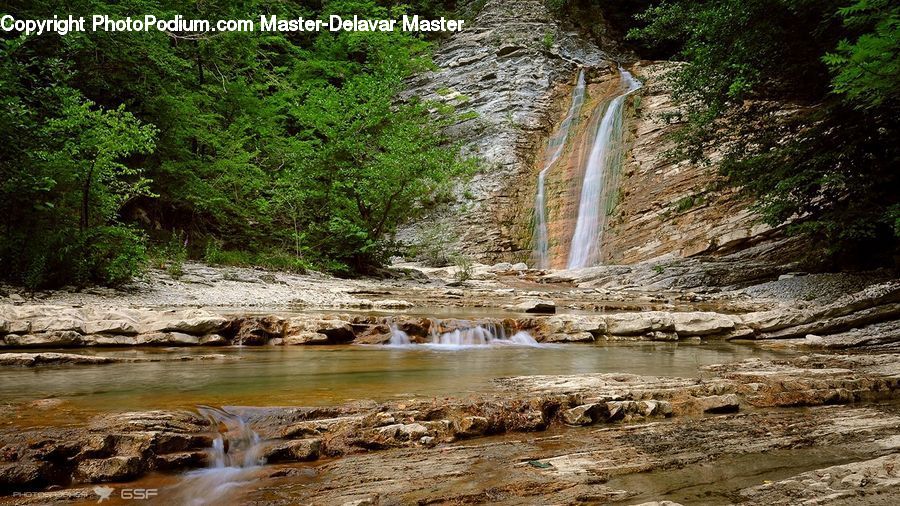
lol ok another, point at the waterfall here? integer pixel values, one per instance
(235, 457)
(398, 337)
(555, 145)
(604, 160)
(464, 334)
(486, 334)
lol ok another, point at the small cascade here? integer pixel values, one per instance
(457, 334)
(555, 145)
(604, 161)
(398, 337)
(485, 334)
(235, 457)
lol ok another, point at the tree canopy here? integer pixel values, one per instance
(286, 149)
(803, 96)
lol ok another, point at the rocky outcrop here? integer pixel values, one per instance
(50, 358)
(123, 446)
(671, 208)
(113, 448)
(865, 318)
(507, 75)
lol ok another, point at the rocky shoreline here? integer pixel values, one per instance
(848, 319)
(121, 447)
(568, 439)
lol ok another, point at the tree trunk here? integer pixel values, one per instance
(86, 198)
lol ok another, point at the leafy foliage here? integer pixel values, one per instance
(802, 97)
(266, 145)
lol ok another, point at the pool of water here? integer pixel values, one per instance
(326, 375)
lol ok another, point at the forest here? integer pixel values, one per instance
(296, 151)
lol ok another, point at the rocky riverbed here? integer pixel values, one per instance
(819, 423)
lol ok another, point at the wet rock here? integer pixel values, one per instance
(256, 331)
(701, 323)
(198, 323)
(538, 306)
(586, 414)
(305, 338)
(572, 328)
(302, 330)
(110, 469)
(213, 340)
(719, 404)
(34, 359)
(56, 339)
(392, 304)
(180, 460)
(472, 426)
(632, 324)
(110, 327)
(299, 450)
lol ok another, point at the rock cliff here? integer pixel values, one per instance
(509, 75)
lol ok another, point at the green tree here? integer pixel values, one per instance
(807, 120)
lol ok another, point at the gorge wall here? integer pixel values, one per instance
(507, 75)
(510, 75)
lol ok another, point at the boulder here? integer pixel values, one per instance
(123, 327)
(301, 330)
(702, 324)
(213, 340)
(118, 468)
(392, 304)
(56, 339)
(472, 426)
(585, 414)
(634, 324)
(198, 323)
(719, 403)
(538, 306)
(305, 338)
(571, 328)
(300, 450)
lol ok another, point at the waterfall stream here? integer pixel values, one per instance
(236, 456)
(469, 335)
(555, 145)
(604, 160)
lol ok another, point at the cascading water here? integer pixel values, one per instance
(604, 160)
(555, 145)
(235, 457)
(466, 335)
(398, 337)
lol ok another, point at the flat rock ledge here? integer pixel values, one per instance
(865, 319)
(52, 358)
(124, 446)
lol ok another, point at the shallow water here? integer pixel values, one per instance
(326, 375)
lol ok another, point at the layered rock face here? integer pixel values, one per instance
(680, 209)
(508, 74)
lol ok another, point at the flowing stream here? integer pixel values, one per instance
(473, 335)
(555, 146)
(604, 161)
(235, 459)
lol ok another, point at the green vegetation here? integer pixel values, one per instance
(281, 149)
(829, 168)
(548, 40)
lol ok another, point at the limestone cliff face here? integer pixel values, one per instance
(665, 208)
(509, 73)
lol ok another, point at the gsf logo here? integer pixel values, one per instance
(138, 493)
